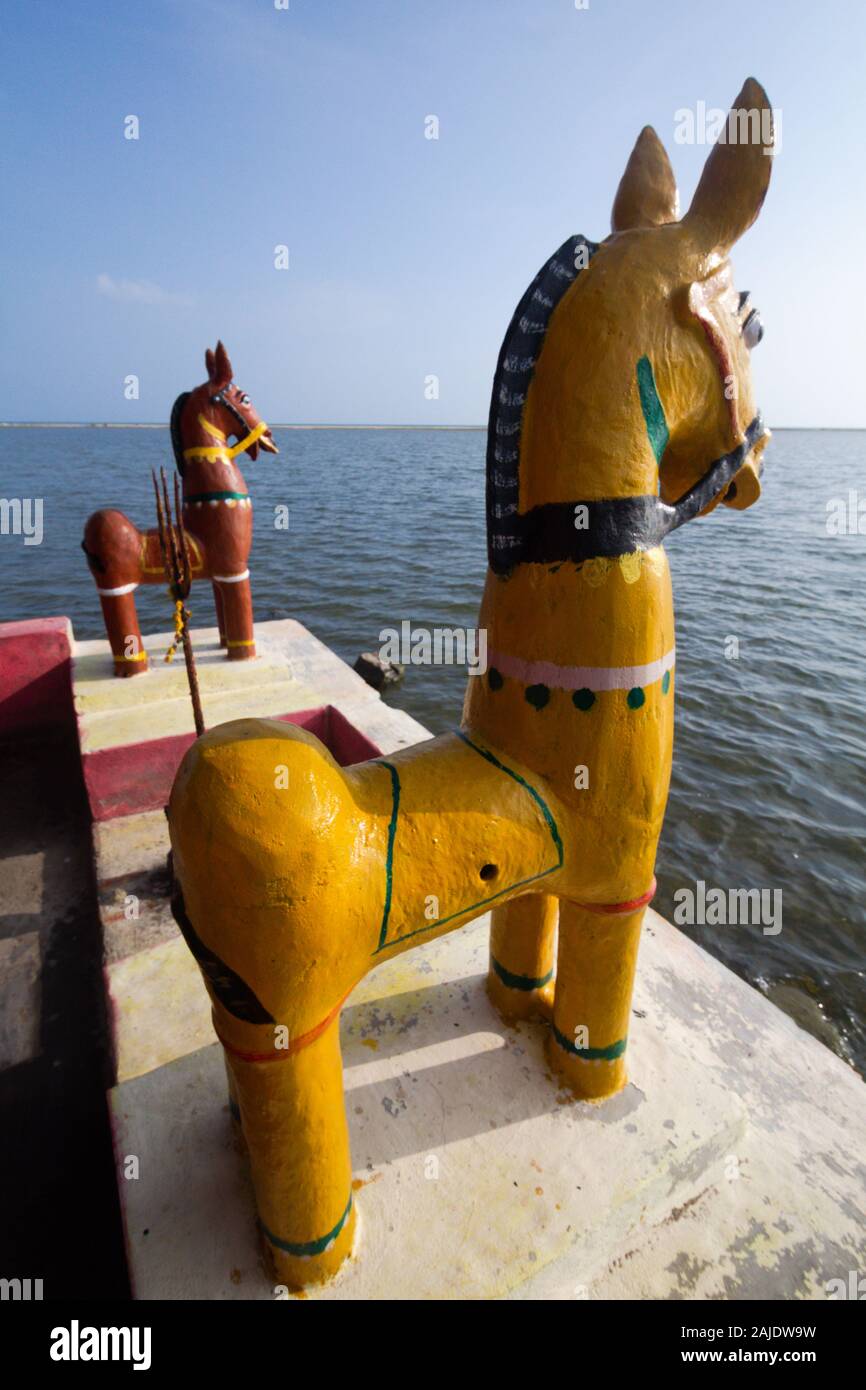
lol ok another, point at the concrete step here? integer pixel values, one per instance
(98, 690)
(286, 652)
(117, 728)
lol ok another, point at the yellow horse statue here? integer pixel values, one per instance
(622, 407)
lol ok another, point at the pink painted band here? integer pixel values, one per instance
(581, 677)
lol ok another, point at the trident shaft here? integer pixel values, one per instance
(178, 572)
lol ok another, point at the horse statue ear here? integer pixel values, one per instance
(736, 175)
(647, 193)
(223, 367)
(210, 364)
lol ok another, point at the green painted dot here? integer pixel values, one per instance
(583, 699)
(494, 679)
(666, 682)
(636, 697)
(537, 695)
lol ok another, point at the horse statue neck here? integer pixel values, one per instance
(577, 606)
(209, 464)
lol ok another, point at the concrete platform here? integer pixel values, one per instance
(730, 1167)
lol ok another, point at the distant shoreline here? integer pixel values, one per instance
(465, 429)
(113, 425)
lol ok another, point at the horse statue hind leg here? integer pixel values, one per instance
(523, 932)
(114, 548)
(612, 423)
(217, 518)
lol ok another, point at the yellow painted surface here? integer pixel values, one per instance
(613, 824)
(298, 877)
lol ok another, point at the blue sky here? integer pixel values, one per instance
(305, 127)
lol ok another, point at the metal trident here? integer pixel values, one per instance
(178, 571)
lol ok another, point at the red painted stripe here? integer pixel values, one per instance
(138, 776)
(35, 669)
(280, 1054)
(622, 907)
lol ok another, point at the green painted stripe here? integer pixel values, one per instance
(309, 1247)
(526, 982)
(214, 496)
(653, 411)
(591, 1054)
(482, 902)
(538, 799)
(389, 858)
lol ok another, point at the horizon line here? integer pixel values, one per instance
(314, 425)
(159, 425)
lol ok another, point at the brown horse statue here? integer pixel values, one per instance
(217, 520)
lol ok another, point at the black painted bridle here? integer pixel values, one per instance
(219, 398)
(549, 533)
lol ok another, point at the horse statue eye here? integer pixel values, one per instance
(245, 400)
(753, 329)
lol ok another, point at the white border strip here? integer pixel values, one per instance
(230, 578)
(115, 593)
(580, 677)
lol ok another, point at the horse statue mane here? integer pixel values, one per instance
(518, 355)
(622, 407)
(178, 443)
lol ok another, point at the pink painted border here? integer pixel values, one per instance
(580, 677)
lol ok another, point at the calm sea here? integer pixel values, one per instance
(770, 762)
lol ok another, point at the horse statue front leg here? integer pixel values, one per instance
(595, 974)
(223, 528)
(235, 615)
(586, 999)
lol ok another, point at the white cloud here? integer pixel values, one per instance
(137, 292)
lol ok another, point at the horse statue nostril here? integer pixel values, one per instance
(731, 493)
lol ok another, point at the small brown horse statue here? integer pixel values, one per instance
(217, 520)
